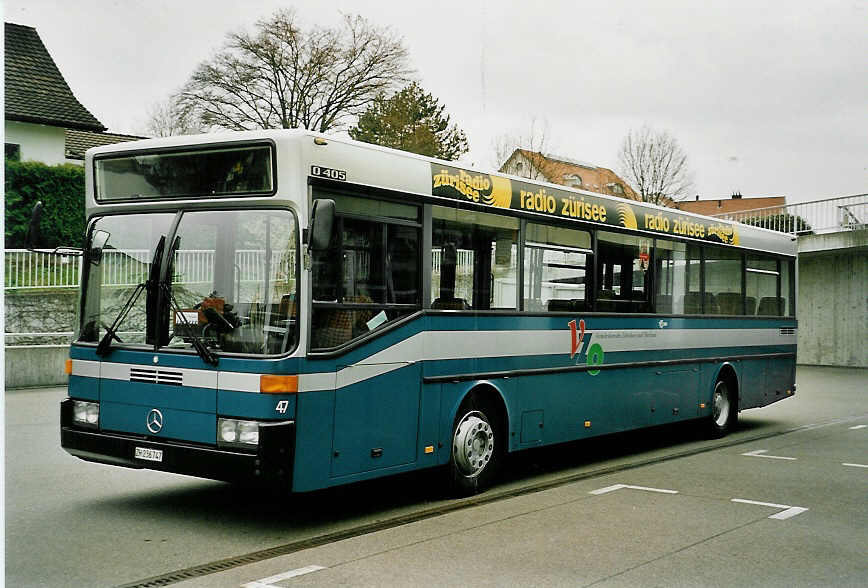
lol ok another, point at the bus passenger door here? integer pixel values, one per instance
(376, 420)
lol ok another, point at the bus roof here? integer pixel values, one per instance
(339, 160)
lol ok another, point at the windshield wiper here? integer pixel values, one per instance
(105, 344)
(111, 332)
(201, 348)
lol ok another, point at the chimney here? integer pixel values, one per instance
(736, 195)
(697, 197)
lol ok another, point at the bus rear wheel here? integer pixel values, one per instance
(476, 446)
(724, 409)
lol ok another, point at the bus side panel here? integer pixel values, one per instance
(313, 440)
(84, 388)
(376, 419)
(753, 383)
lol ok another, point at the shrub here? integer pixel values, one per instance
(61, 189)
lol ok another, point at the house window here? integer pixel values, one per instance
(573, 180)
(13, 152)
(618, 189)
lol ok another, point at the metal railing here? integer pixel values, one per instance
(40, 269)
(845, 213)
(24, 269)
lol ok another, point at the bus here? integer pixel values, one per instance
(304, 311)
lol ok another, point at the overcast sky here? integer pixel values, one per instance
(767, 98)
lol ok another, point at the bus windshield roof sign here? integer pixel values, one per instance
(234, 170)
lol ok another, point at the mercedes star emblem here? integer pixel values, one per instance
(155, 421)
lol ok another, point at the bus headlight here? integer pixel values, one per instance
(85, 414)
(237, 433)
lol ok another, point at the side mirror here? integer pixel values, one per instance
(100, 238)
(321, 220)
(34, 233)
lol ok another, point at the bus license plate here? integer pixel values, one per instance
(149, 454)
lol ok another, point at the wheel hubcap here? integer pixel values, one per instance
(720, 410)
(473, 444)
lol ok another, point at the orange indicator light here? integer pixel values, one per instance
(587, 424)
(429, 449)
(271, 384)
(67, 368)
(702, 405)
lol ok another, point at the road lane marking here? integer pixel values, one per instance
(608, 489)
(788, 512)
(858, 427)
(855, 465)
(760, 452)
(268, 582)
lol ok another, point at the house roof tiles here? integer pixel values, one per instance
(34, 87)
(77, 142)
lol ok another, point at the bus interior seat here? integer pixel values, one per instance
(579, 304)
(730, 303)
(606, 301)
(751, 305)
(692, 303)
(556, 305)
(343, 324)
(770, 306)
(450, 304)
(664, 303)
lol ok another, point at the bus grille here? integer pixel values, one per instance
(156, 377)
(788, 331)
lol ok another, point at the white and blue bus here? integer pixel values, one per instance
(306, 311)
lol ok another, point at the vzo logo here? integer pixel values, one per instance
(591, 354)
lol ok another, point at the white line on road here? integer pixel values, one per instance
(267, 582)
(788, 512)
(855, 465)
(621, 486)
(858, 427)
(760, 452)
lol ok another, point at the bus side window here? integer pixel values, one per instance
(723, 293)
(555, 268)
(474, 260)
(623, 274)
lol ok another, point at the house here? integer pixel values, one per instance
(735, 203)
(44, 121)
(558, 169)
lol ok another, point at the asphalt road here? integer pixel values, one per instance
(659, 508)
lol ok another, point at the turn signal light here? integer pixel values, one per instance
(271, 384)
(68, 367)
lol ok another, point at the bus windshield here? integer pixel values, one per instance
(230, 281)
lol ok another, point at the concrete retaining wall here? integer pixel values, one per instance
(36, 365)
(833, 299)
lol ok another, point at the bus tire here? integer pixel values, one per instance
(724, 408)
(476, 446)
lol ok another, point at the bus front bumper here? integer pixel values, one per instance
(271, 464)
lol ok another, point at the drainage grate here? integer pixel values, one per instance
(148, 376)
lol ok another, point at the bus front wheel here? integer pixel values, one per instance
(724, 409)
(476, 446)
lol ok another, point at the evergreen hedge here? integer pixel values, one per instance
(61, 189)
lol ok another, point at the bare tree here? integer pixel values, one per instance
(533, 143)
(168, 118)
(282, 76)
(655, 165)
